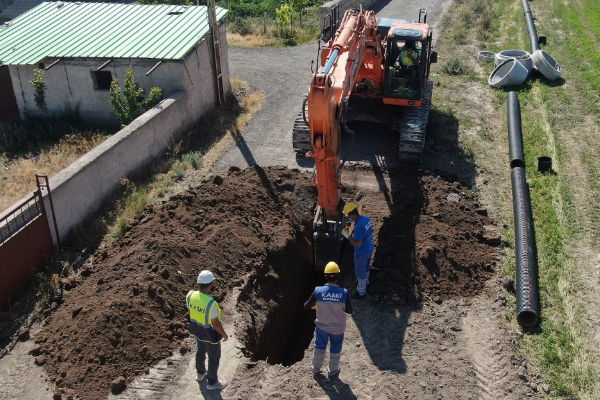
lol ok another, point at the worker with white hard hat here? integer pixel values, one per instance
(206, 328)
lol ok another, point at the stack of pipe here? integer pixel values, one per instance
(543, 61)
(525, 247)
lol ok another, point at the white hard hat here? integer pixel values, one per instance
(205, 277)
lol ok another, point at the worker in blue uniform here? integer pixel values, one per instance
(332, 303)
(362, 240)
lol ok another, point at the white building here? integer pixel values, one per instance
(84, 46)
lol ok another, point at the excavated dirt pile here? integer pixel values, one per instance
(433, 240)
(252, 228)
(129, 312)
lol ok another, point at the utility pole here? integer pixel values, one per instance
(215, 51)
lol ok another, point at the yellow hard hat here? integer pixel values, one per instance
(348, 208)
(332, 268)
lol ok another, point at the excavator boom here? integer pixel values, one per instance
(358, 64)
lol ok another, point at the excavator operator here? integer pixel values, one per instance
(407, 62)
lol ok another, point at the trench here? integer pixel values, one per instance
(275, 327)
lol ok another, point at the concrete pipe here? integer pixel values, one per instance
(524, 57)
(547, 65)
(510, 73)
(488, 56)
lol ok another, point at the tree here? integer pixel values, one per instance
(129, 102)
(283, 16)
(299, 6)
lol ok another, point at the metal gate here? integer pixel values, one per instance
(25, 242)
(331, 22)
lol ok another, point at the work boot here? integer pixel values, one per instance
(333, 374)
(200, 377)
(358, 296)
(218, 385)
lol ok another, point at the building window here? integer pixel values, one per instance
(102, 80)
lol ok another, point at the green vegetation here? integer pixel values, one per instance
(455, 66)
(39, 90)
(560, 120)
(259, 23)
(129, 102)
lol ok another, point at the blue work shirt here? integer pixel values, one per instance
(363, 230)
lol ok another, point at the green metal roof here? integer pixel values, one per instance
(103, 30)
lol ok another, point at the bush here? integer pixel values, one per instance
(455, 66)
(129, 102)
(285, 30)
(241, 26)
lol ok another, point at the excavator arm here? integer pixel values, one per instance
(355, 51)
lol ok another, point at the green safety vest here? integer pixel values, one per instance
(200, 306)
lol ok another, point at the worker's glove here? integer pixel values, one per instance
(346, 233)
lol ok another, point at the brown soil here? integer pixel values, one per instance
(252, 229)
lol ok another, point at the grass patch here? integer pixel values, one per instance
(253, 32)
(559, 119)
(455, 66)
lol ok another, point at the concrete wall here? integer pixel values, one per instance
(81, 188)
(344, 5)
(72, 82)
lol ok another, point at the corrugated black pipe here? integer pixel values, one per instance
(515, 136)
(533, 36)
(525, 252)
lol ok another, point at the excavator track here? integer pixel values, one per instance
(412, 131)
(301, 132)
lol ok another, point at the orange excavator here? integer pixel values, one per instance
(373, 70)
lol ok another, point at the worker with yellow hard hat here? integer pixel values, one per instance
(333, 303)
(362, 240)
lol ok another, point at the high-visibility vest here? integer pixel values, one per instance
(200, 306)
(406, 60)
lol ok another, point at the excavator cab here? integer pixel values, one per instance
(403, 73)
(408, 58)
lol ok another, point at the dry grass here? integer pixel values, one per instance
(250, 104)
(17, 177)
(252, 40)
